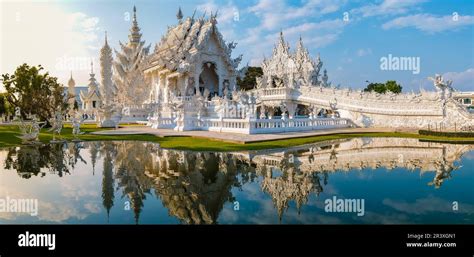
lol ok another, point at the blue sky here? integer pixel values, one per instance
(439, 33)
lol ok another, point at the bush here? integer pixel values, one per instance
(445, 134)
(249, 81)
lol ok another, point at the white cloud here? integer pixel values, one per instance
(321, 41)
(364, 52)
(387, 8)
(462, 81)
(315, 35)
(430, 23)
(225, 13)
(43, 33)
(425, 205)
(326, 25)
(276, 13)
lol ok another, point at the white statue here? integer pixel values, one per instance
(76, 128)
(30, 131)
(56, 125)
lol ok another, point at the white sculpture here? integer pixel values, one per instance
(29, 130)
(76, 128)
(56, 125)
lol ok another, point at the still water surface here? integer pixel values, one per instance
(401, 181)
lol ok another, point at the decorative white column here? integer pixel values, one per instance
(166, 96)
(185, 84)
(220, 81)
(232, 83)
(159, 86)
(154, 87)
(197, 73)
(181, 85)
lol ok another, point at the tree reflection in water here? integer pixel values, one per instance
(195, 186)
(34, 160)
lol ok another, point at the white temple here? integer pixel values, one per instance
(190, 59)
(189, 83)
(92, 99)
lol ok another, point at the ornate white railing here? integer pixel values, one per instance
(156, 123)
(260, 126)
(183, 98)
(298, 124)
(401, 104)
(277, 91)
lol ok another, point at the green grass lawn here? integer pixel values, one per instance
(9, 137)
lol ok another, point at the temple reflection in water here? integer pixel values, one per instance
(195, 186)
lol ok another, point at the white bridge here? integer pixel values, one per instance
(366, 109)
(288, 109)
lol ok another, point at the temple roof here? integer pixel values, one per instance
(71, 81)
(284, 62)
(135, 35)
(178, 46)
(93, 88)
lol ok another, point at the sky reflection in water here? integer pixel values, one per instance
(402, 181)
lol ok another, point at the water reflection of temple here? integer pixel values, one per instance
(194, 187)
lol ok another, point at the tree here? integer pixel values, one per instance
(377, 87)
(392, 85)
(381, 88)
(5, 107)
(249, 81)
(34, 93)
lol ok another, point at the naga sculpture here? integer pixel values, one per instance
(29, 130)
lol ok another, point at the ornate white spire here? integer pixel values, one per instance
(128, 80)
(325, 78)
(71, 82)
(135, 35)
(92, 86)
(71, 86)
(282, 46)
(296, 66)
(106, 60)
(301, 54)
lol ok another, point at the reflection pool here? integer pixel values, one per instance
(401, 181)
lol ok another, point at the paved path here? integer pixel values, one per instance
(234, 137)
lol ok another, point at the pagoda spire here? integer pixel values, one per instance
(92, 81)
(135, 35)
(302, 54)
(106, 63)
(71, 81)
(282, 46)
(71, 84)
(282, 38)
(134, 13)
(300, 42)
(179, 15)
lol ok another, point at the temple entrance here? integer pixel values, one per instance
(209, 79)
